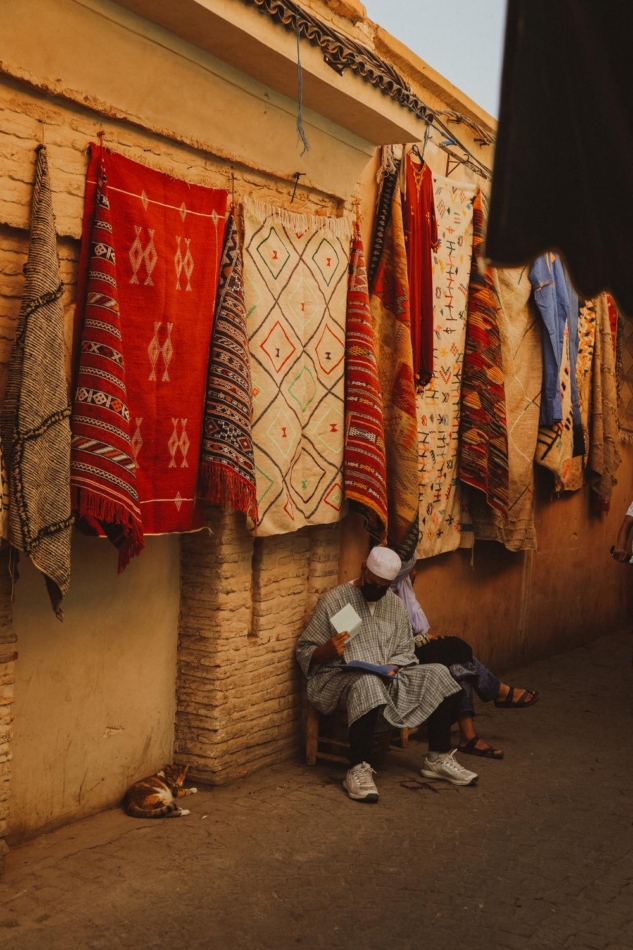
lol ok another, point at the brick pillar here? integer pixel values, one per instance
(243, 604)
(8, 656)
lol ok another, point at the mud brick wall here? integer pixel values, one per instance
(244, 602)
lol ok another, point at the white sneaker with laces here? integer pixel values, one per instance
(446, 768)
(359, 783)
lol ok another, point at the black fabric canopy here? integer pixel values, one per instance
(563, 176)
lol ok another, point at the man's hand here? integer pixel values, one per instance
(331, 650)
(619, 554)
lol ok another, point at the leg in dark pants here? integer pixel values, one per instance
(361, 737)
(440, 721)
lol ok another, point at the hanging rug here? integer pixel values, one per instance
(166, 239)
(295, 282)
(227, 469)
(364, 462)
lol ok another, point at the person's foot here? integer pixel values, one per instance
(511, 697)
(479, 746)
(359, 784)
(447, 769)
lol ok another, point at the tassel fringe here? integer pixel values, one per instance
(108, 512)
(295, 221)
(224, 487)
(389, 164)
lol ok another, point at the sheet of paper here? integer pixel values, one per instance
(347, 619)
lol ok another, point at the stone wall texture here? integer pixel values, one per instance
(244, 602)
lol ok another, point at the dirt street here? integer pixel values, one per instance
(538, 855)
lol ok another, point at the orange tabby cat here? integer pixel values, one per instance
(154, 797)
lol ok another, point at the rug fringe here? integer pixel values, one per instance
(104, 510)
(131, 547)
(388, 163)
(225, 488)
(297, 221)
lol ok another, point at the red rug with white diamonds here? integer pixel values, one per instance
(167, 237)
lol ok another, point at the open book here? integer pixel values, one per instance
(386, 671)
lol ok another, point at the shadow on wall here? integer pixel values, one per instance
(95, 695)
(515, 608)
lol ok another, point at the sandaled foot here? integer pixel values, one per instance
(517, 698)
(477, 746)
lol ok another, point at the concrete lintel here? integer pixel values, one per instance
(249, 41)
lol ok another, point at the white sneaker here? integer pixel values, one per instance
(359, 783)
(448, 769)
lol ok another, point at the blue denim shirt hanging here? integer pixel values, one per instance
(574, 343)
(550, 295)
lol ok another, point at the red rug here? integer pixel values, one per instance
(167, 237)
(483, 460)
(364, 453)
(102, 470)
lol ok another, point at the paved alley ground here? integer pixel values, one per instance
(538, 855)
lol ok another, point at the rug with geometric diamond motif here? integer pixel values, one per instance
(167, 237)
(444, 522)
(295, 284)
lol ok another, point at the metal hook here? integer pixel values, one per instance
(296, 176)
(232, 189)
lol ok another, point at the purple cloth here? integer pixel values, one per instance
(403, 587)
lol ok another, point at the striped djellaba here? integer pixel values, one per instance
(483, 460)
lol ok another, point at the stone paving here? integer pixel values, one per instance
(538, 855)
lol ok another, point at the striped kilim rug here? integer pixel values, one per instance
(295, 284)
(4, 500)
(584, 376)
(604, 455)
(625, 394)
(483, 460)
(521, 344)
(103, 471)
(364, 468)
(227, 467)
(442, 522)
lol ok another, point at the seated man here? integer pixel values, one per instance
(417, 693)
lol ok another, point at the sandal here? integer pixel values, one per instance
(471, 749)
(529, 698)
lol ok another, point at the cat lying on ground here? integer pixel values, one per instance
(155, 796)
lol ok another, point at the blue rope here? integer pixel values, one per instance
(300, 129)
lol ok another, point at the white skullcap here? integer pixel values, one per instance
(384, 563)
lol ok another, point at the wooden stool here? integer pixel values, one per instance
(331, 731)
